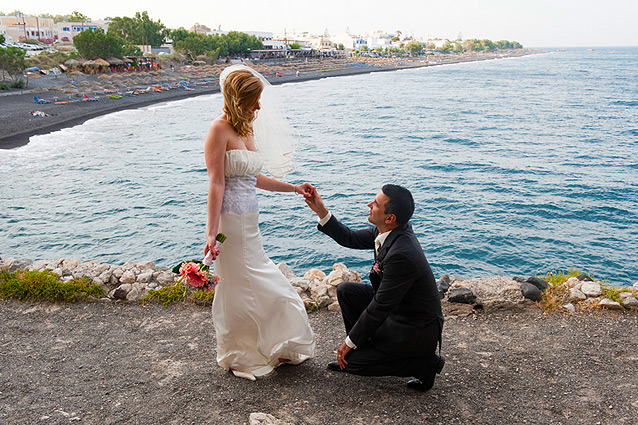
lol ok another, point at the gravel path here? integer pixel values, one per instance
(108, 363)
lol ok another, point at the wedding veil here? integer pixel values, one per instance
(274, 138)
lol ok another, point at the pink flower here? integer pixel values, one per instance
(193, 276)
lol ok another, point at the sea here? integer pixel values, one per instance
(518, 166)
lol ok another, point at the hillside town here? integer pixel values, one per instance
(37, 33)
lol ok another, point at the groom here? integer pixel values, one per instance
(394, 325)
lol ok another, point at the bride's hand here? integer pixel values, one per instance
(306, 189)
(212, 246)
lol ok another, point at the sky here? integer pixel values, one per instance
(533, 23)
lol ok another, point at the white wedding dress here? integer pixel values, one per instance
(259, 317)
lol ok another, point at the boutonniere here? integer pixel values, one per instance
(376, 268)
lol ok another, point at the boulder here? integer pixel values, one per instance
(584, 277)
(146, 265)
(135, 294)
(300, 282)
(145, 277)
(315, 274)
(573, 282)
(461, 295)
(318, 290)
(19, 264)
(323, 301)
(128, 277)
(541, 284)
(491, 293)
(443, 284)
(530, 291)
(570, 307)
(334, 307)
(71, 263)
(591, 289)
(576, 295)
(286, 271)
(259, 418)
(628, 300)
(610, 304)
(166, 278)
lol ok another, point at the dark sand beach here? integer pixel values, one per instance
(18, 124)
(124, 363)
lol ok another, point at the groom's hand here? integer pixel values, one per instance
(307, 189)
(315, 203)
(342, 352)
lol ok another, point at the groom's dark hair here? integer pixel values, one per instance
(401, 203)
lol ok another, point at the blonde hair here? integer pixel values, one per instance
(242, 90)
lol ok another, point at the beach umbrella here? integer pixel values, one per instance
(115, 61)
(101, 62)
(71, 63)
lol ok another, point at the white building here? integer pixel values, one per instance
(19, 28)
(268, 39)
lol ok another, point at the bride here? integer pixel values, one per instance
(260, 321)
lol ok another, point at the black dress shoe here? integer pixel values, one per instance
(439, 366)
(334, 366)
(417, 384)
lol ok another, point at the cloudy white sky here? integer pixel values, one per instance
(534, 23)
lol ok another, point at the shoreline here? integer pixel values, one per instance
(18, 125)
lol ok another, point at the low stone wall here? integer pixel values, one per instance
(131, 281)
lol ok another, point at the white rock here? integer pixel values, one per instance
(146, 265)
(335, 278)
(126, 287)
(166, 278)
(286, 271)
(635, 286)
(575, 294)
(570, 307)
(129, 265)
(610, 304)
(498, 292)
(332, 292)
(334, 307)
(5, 263)
(315, 274)
(71, 263)
(300, 282)
(591, 289)
(118, 272)
(323, 301)
(105, 276)
(145, 276)
(630, 302)
(128, 277)
(318, 290)
(114, 281)
(39, 265)
(134, 295)
(58, 271)
(265, 419)
(152, 285)
(339, 266)
(572, 282)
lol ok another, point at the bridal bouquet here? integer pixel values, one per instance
(197, 274)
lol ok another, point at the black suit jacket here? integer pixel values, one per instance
(406, 301)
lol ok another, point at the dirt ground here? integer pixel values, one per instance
(108, 363)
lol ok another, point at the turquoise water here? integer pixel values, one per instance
(518, 166)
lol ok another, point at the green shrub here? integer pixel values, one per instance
(46, 286)
(19, 84)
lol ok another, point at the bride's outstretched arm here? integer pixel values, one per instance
(273, 185)
(215, 154)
